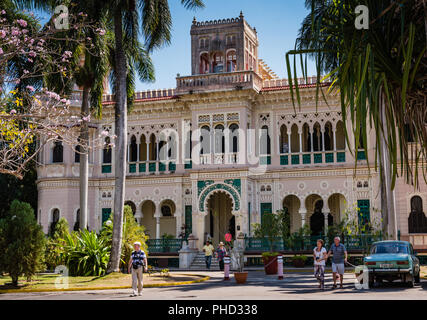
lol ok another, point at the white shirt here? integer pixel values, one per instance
(320, 255)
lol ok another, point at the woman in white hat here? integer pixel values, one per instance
(221, 252)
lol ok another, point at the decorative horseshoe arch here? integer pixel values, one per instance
(219, 187)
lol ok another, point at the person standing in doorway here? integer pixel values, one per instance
(320, 256)
(339, 257)
(221, 252)
(208, 249)
(138, 260)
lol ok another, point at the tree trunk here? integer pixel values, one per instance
(387, 194)
(121, 143)
(84, 161)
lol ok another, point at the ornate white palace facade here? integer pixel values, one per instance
(224, 147)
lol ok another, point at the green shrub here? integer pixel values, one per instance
(22, 242)
(55, 245)
(132, 232)
(85, 254)
(269, 254)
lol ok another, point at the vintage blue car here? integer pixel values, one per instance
(393, 260)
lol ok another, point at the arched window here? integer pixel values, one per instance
(340, 136)
(172, 146)
(77, 222)
(231, 61)
(55, 219)
(306, 139)
(219, 139)
(328, 137)
(234, 138)
(204, 63)
(166, 211)
(142, 149)
(417, 221)
(294, 139)
(106, 151)
(58, 152)
(317, 137)
(218, 62)
(133, 150)
(284, 143)
(153, 148)
(265, 143)
(205, 140)
(131, 205)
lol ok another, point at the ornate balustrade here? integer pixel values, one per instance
(314, 158)
(307, 243)
(164, 245)
(219, 81)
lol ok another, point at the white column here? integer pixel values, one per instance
(323, 139)
(326, 220)
(303, 212)
(300, 141)
(289, 141)
(334, 132)
(311, 140)
(147, 155)
(157, 227)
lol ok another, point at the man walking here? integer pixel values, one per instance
(339, 253)
(138, 260)
(208, 249)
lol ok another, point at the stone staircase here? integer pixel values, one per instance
(200, 265)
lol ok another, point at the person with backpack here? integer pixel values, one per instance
(138, 261)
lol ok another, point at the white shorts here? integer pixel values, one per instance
(338, 268)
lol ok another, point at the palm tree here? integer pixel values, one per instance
(380, 74)
(153, 18)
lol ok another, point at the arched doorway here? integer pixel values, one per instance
(219, 219)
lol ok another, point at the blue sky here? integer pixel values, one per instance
(276, 21)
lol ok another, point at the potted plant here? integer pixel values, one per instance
(237, 255)
(270, 230)
(270, 262)
(299, 261)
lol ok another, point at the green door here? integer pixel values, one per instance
(364, 213)
(106, 213)
(188, 220)
(266, 207)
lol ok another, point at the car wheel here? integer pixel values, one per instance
(417, 278)
(411, 282)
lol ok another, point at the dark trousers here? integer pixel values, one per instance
(221, 265)
(208, 260)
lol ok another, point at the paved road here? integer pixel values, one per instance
(258, 286)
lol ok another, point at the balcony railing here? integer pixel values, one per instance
(307, 243)
(219, 81)
(316, 158)
(164, 245)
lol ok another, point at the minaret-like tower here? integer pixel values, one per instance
(225, 45)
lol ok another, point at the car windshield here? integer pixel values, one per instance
(389, 248)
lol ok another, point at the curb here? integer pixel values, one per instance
(152, 285)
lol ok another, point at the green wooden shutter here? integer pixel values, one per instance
(188, 220)
(364, 212)
(106, 213)
(266, 207)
